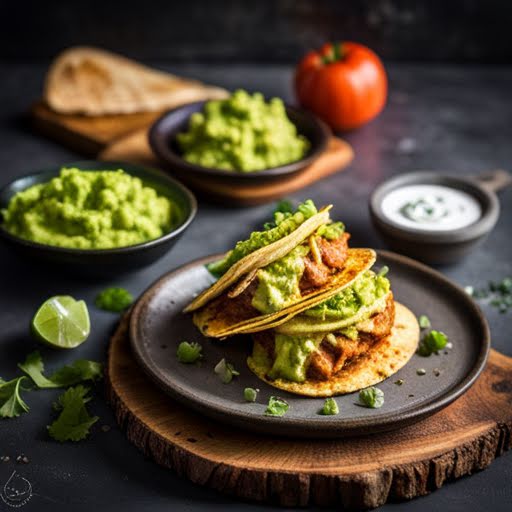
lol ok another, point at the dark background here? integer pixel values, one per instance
(277, 31)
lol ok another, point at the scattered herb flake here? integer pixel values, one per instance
(424, 322)
(250, 394)
(276, 406)
(189, 353)
(498, 294)
(113, 299)
(371, 397)
(11, 402)
(330, 407)
(421, 371)
(79, 371)
(399, 382)
(432, 342)
(74, 421)
(225, 371)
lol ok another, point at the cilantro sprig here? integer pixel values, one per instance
(74, 420)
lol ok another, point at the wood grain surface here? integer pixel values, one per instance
(355, 473)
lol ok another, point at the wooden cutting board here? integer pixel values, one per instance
(124, 138)
(353, 473)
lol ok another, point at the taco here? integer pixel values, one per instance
(298, 260)
(355, 339)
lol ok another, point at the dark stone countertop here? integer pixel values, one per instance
(452, 119)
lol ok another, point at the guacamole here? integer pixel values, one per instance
(284, 224)
(364, 292)
(90, 210)
(243, 133)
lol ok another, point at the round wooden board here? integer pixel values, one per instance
(355, 473)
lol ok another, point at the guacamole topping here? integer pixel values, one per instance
(90, 210)
(242, 133)
(284, 224)
(278, 283)
(292, 350)
(291, 353)
(367, 289)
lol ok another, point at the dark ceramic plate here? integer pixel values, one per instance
(162, 138)
(158, 326)
(105, 262)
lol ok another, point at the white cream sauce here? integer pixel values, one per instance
(431, 207)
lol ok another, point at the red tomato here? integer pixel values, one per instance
(344, 84)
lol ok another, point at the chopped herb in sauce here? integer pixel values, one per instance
(276, 407)
(189, 352)
(330, 407)
(225, 371)
(371, 397)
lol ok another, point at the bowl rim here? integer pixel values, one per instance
(125, 166)
(487, 199)
(159, 145)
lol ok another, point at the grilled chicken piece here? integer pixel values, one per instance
(333, 253)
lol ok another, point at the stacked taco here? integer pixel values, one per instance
(323, 322)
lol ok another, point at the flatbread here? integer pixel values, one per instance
(384, 359)
(219, 322)
(90, 81)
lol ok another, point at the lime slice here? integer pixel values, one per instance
(62, 322)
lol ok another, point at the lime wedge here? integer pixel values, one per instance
(62, 322)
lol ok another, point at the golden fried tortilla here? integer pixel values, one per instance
(383, 359)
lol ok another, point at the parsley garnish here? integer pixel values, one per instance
(225, 371)
(74, 421)
(371, 397)
(276, 407)
(114, 299)
(11, 403)
(79, 371)
(189, 352)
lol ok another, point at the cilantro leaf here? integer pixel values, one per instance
(276, 406)
(79, 371)
(11, 403)
(74, 420)
(371, 397)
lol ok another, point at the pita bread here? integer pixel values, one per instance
(384, 359)
(90, 81)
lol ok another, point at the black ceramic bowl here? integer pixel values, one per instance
(437, 246)
(162, 139)
(105, 261)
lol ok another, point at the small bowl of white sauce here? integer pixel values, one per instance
(434, 217)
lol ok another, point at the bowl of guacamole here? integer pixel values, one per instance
(97, 215)
(243, 138)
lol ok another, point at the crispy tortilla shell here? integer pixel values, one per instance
(220, 322)
(381, 361)
(260, 258)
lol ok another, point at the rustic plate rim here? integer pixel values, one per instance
(330, 427)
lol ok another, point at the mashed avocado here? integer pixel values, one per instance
(278, 283)
(89, 210)
(291, 355)
(242, 133)
(284, 224)
(364, 292)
